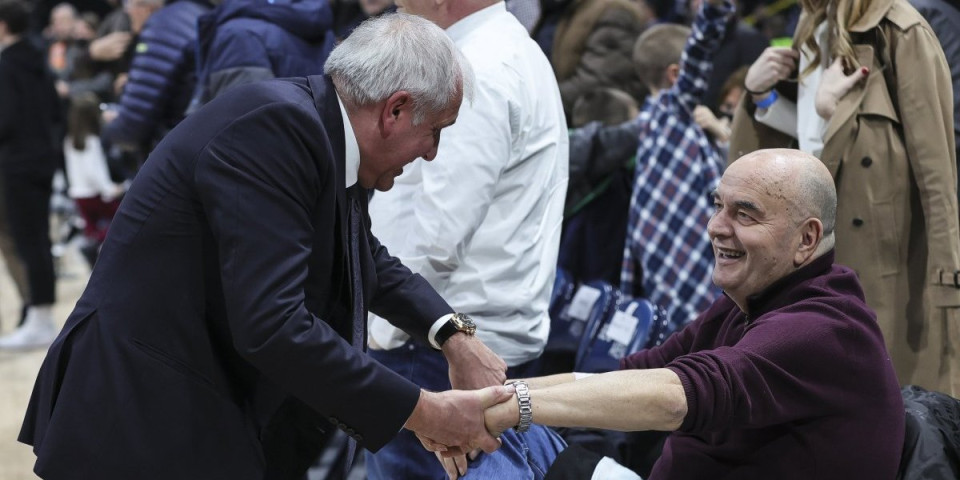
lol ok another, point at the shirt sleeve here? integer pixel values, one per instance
(696, 62)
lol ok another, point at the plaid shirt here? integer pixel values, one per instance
(677, 171)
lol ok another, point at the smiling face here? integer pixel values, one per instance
(756, 235)
(401, 142)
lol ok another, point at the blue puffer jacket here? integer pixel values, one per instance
(162, 76)
(243, 41)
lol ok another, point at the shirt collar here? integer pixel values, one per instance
(351, 147)
(467, 24)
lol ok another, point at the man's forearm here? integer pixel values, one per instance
(628, 400)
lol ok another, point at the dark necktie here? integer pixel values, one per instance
(356, 280)
(356, 283)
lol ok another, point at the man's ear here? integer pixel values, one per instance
(811, 233)
(395, 110)
(672, 74)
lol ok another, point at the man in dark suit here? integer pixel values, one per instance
(223, 325)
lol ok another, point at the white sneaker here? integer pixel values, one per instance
(38, 331)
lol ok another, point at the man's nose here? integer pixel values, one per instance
(717, 226)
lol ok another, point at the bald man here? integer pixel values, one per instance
(785, 376)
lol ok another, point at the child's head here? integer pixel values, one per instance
(608, 105)
(657, 54)
(83, 119)
(732, 92)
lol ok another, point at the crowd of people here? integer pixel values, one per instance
(305, 216)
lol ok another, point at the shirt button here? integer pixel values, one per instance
(866, 162)
(857, 222)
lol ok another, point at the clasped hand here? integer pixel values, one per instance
(497, 418)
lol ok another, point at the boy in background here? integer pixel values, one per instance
(677, 169)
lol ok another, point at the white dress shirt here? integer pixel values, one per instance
(801, 119)
(481, 222)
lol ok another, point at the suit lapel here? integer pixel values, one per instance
(325, 97)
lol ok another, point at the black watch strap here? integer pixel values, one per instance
(445, 332)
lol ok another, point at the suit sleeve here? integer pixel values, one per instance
(407, 299)
(259, 198)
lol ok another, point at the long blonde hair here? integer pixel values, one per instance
(837, 13)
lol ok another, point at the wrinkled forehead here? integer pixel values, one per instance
(766, 188)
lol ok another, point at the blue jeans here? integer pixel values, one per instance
(523, 456)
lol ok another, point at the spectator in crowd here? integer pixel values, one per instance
(481, 223)
(30, 118)
(96, 195)
(223, 326)
(372, 8)
(944, 18)
(58, 36)
(785, 376)
(592, 47)
(163, 73)
(731, 94)
(12, 260)
(526, 11)
(603, 148)
(741, 46)
(874, 102)
(667, 256)
(718, 128)
(82, 75)
(243, 41)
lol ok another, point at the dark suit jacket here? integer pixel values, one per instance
(223, 291)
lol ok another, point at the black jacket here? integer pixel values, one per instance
(30, 116)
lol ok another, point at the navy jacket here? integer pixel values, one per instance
(223, 292)
(162, 76)
(243, 41)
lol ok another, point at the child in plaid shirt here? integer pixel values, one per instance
(667, 255)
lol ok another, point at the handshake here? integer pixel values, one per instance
(470, 418)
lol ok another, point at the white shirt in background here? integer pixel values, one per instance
(87, 171)
(482, 221)
(800, 119)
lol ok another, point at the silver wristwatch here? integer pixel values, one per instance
(526, 408)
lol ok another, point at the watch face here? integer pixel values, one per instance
(464, 323)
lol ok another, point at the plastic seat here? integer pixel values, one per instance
(567, 326)
(632, 327)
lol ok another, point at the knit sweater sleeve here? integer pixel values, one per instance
(675, 345)
(768, 377)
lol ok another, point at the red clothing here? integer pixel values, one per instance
(802, 388)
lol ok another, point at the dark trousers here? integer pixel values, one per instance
(28, 216)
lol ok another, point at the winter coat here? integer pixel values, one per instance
(244, 41)
(30, 115)
(890, 148)
(161, 78)
(593, 48)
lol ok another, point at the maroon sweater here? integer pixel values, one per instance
(802, 388)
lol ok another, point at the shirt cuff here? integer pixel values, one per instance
(432, 335)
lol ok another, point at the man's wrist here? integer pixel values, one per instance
(524, 406)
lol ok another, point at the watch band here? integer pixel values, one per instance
(526, 407)
(445, 332)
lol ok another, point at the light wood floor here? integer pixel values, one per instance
(18, 370)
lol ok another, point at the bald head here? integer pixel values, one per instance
(801, 180)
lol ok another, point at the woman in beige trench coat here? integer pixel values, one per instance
(890, 147)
